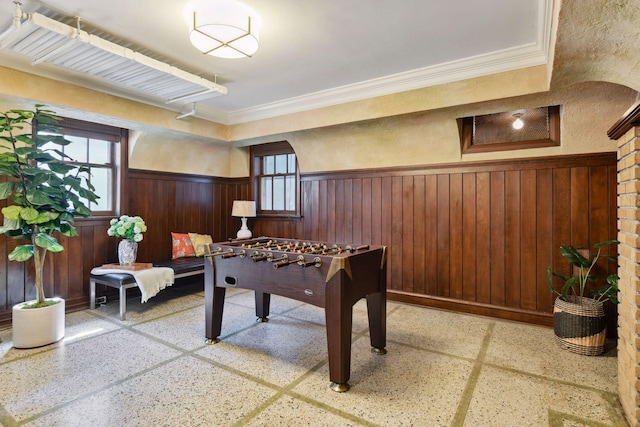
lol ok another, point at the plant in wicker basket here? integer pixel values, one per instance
(579, 321)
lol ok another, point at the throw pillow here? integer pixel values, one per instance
(181, 246)
(199, 241)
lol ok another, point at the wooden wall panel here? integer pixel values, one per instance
(544, 238)
(497, 245)
(456, 232)
(512, 228)
(474, 237)
(430, 215)
(469, 236)
(483, 238)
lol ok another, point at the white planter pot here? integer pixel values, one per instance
(35, 327)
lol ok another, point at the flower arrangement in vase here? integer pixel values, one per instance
(130, 229)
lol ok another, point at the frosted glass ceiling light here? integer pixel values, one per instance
(518, 123)
(223, 28)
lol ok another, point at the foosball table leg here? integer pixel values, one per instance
(263, 302)
(340, 388)
(339, 322)
(377, 311)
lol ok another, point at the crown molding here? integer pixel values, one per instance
(478, 66)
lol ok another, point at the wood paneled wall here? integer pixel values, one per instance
(167, 202)
(469, 237)
(182, 203)
(472, 237)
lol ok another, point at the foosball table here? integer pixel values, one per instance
(328, 275)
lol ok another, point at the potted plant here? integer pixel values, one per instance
(44, 196)
(579, 321)
(130, 228)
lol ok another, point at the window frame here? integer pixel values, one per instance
(258, 152)
(118, 137)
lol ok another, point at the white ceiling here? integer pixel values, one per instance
(315, 53)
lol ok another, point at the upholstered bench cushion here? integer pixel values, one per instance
(115, 280)
(181, 266)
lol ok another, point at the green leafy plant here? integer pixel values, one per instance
(44, 193)
(577, 284)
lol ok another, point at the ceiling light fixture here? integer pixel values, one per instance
(223, 28)
(517, 123)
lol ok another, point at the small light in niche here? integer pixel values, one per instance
(518, 123)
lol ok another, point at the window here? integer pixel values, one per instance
(99, 147)
(275, 179)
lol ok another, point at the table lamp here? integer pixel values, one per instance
(244, 209)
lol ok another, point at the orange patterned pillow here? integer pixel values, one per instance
(181, 246)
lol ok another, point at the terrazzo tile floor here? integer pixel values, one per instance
(441, 369)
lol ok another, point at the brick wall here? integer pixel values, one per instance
(629, 271)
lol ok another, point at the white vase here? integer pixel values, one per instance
(127, 252)
(35, 327)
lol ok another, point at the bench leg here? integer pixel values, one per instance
(92, 294)
(123, 302)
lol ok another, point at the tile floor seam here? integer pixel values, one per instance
(106, 316)
(235, 371)
(551, 379)
(617, 416)
(54, 347)
(256, 411)
(287, 390)
(6, 420)
(472, 381)
(80, 397)
(556, 419)
(331, 409)
(431, 350)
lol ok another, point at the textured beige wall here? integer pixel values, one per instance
(495, 86)
(597, 40)
(180, 153)
(428, 137)
(424, 138)
(589, 109)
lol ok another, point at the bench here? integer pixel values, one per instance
(182, 267)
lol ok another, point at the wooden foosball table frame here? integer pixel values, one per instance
(330, 276)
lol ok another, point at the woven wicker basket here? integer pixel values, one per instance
(580, 325)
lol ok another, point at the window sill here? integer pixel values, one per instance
(279, 216)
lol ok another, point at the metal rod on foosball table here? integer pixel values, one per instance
(258, 245)
(317, 262)
(264, 256)
(232, 254)
(284, 263)
(284, 257)
(219, 252)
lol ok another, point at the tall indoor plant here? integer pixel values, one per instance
(579, 319)
(44, 193)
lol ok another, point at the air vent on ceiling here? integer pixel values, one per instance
(46, 40)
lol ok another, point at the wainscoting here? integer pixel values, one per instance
(472, 237)
(167, 202)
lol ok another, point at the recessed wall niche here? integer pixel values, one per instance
(540, 127)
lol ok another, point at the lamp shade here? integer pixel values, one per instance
(223, 28)
(243, 208)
